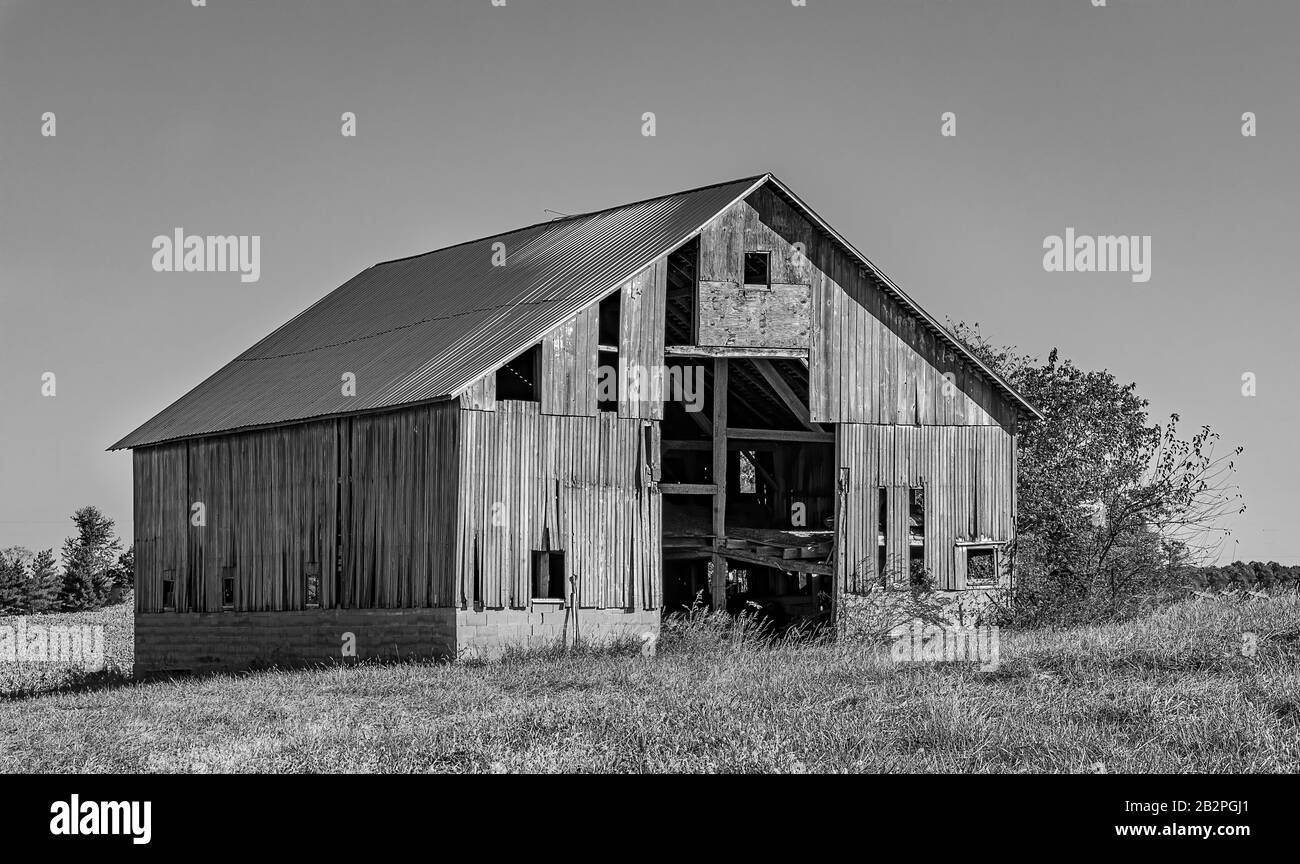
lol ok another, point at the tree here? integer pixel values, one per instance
(124, 570)
(13, 582)
(1110, 507)
(89, 559)
(29, 583)
(45, 584)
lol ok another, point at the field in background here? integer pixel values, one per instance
(1171, 692)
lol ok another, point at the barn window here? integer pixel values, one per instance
(981, 566)
(518, 379)
(882, 531)
(312, 594)
(228, 592)
(916, 533)
(548, 575)
(748, 475)
(757, 270)
(169, 595)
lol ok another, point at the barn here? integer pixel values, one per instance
(565, 431)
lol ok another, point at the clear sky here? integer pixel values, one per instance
(472, 118)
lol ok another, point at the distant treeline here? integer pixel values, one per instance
(1242, 574)
(92, 570)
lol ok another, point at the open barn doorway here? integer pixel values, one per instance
(749, 493)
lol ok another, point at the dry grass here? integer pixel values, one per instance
(1171, 692)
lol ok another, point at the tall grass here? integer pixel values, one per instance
(1170, 692)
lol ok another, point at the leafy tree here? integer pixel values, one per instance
(1111, 507)
(89, 559)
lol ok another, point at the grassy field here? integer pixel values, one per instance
(1168, 693)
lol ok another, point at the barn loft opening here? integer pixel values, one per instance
(611, 309)
(518, 378)
(680, 297)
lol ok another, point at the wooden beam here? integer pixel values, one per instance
(732, 444)
(705, 351)
(781, 435)
(720, 480)
(785, 393)
(688, 488)
(793, 565)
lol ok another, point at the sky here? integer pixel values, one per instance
(472, 119)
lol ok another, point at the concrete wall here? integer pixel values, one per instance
(225, 641)
(881, 613)
(220, 641)
(487, 633)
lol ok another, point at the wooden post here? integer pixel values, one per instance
(720, 478)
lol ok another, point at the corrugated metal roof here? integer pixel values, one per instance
(425, 327)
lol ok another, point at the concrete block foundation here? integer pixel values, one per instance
(200, 642)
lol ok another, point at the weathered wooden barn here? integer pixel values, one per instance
(569, 429)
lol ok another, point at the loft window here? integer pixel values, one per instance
(518, 379)
(228, 592)
(757, 271)
(312, 594)
(610, 310)
(981, 566)
(548, 575)
(169, 595)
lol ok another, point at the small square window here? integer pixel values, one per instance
(169, 595)
(228, 592)
(757, 271)
(548, 575)
(981, 566)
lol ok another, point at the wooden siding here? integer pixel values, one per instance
(278, 501)
(581, 485)
(870, 361)
(482, 394)
(969, 480)
(731, 314)
(641, 339)
(738, 316)
(399, 510)
(570, 356)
